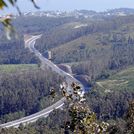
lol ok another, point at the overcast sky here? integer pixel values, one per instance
(67, 5)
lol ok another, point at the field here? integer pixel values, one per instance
(9, 68)
(79, 49)
(123, 80)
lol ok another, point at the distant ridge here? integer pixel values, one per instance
(83, 13)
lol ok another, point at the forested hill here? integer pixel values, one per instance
(13, 51)
(100, 50)
(92, 47)
(57, 31)
(25, 89)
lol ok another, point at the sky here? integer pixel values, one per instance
(68, 5)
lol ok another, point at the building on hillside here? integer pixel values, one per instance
(48, 55)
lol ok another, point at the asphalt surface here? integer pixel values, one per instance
(45, 63)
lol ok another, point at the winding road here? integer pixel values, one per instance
(45, 63)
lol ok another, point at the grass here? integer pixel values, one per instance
(89, 41)
(10, 68)
(79, 49)
(123, 80)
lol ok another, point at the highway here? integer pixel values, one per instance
(45, 63)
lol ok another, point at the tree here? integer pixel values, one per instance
(81, 120)
(4, 3)
(130, 118)
(6, 21)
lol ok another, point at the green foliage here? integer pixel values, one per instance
(6, 21)
(83, 121)
(8, 27)
(107, 46)
(2, 4)
(14, 52)
(122, 80)
(10, 68)
(25, 91)
(130, 118)
(97, 49)
(11, 116)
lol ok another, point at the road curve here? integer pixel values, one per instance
(45, 63)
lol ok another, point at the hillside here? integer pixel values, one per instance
(24, 89)
(110, 97)
(99, 48)
(94, 53)
(123, 80)
(10, 68)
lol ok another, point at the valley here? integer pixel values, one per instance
(97, 49)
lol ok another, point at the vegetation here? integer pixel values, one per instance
(24, 92)
(14, 52)
(122, 80)
(6, 21)
(110, 98)
(102, 50)
(113, 107)
(4, 3)
(11, 68)
(93, 50)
